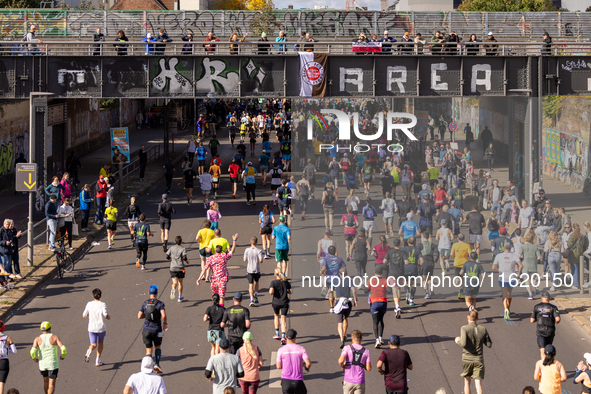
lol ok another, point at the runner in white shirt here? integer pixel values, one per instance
(352, 201)
(508, 277)
(146, 381)
(96, 311)
(526, 215)
(205, 180)
(389, 207)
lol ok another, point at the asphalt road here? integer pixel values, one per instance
(427, 329)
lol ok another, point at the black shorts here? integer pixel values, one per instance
(349, 237)
(253, 141)
(203, 253)
(344, 314)
(293, 387)
(274, 187)
(471, 292)
(440, 207)
(543, 341)
(253, 277)
(201, 163)
(429, 229)
(177, 274)
(433, 182)
(266, 230)
(165, 224)
(151, 339)
(4, 370)
(111, 225)
(234, 179)
(426, 269)
(280, 309)
(50, 373)
(189, 185)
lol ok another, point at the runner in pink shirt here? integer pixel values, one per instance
(355, 360)
(289, 361)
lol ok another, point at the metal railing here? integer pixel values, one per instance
(138, 48)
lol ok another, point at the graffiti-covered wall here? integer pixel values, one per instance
(14, 135)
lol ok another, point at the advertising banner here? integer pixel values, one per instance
(120, 145)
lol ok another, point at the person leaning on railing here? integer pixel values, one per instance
(437, 43)
(491, 49)
(419, 45)
(263, 46)
(281, 38)
(309, 47)
(473, 49)
(234, 38)
(210, 38)
(547, 46)
(162, 37)
(121, 48)
(360, 40)
(187, 48)
(98, 37)
(386, 43)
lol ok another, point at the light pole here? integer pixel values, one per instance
(32, 111)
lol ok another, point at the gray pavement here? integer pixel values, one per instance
(427, 329)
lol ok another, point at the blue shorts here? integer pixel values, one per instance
(96, 337)
(378, 307)
(505, 284)
(492, 235)
(214, 226)
(286, 157)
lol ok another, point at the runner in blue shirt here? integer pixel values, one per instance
(408, 228)
(264, 165)
(282, 236)
(201, 152)
(330, 267)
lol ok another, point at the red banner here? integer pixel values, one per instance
(367, 47)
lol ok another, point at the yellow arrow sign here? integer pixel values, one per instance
(30, 185)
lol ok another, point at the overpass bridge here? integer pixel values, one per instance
(88, 70)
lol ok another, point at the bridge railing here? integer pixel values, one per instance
(199, 48)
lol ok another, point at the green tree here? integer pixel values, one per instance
(14, 4)
(507, 5)
(228, 4)
(264, 22)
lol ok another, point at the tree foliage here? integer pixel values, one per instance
(13, 4)
(264, 22)
(81, 7)
(228, 4)
(552, 105)
(507, 5)
(260, 5)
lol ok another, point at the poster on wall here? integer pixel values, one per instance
(567, 151)
(120, 145)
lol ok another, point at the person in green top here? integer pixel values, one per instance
(111, 215)
(530, 254)
(472, 338)
(48, 359)
(433, 175)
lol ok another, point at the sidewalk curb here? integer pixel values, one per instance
(572, 310)
(80, 250)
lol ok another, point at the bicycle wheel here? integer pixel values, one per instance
(68, 263)
(60, 266)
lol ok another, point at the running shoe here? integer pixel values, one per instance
(283, 341)
(471, 307)
(427, 296)
(256, 300)
(205, 205)
(172, 294)
(378, 344)
(460, 296)
(348, 258)
(248, 203)
(266, 256)
(407, 298)
(190, 201)
(276, 336)
(143, 268)
(251, 303)
(137, 263)
(331, 310)
(109, 247)
(397, 312)
(530, 297)
(87, 356)
(158, 370)
(181, 298)
(113, 240)
(254, 202)
(342, 344)
(412, 302)
(506, 315)
(164, 248)
(552, 288)
(233, 196)
(98, 363)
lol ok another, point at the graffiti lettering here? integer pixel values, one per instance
(170, 80)
(216, 78)
(570, 65)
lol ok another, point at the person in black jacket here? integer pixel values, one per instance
(98, 37)
(263, 49)
(143, 156)
(547, 46)
(473, 49)
(452, 46)
(133, 213)
(486, 138)
(121, 48)
(187, 48)
(162, 37)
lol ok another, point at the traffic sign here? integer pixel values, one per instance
(26, 177)
(453, 126)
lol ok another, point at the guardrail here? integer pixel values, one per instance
(154, 153)
(199, 48)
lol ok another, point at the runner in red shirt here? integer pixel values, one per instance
(234, 171)
(439, 196)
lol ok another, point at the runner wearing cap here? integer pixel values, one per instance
(145, 381)
(154, 315)
(282, 236)
(392, 364)
(289, 360)
(237, 319)
(96, 311)
(6, 346)
(224, 369)
(408, 228)
(165, 211)
(251, 359)
(583, 374)
(249, 175)
(47, 344)
(546, 316)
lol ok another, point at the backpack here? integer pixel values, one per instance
(304, 189)
(350, 220)
(427, 250)
(266, 220)
(370, 213)
(329, 200)
(357, 355)
(150, 313)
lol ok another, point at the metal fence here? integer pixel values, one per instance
(569, 26)
(200, 48)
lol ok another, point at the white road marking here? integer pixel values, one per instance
(274, 373)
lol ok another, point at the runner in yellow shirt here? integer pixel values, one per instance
(111, 223)
(460, 252)
(204, 237)
(433, 175)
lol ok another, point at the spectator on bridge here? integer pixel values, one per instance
(98, 37)
(309, 38)
(297, 47)
(55, 187)
(30, 37)
(452, 46)
(407, 44)
(187, 48)
(282, 38)
(121, 48)
(419, 47)
(263, 46)
(162, 37)
(547, 46)
(234, 38)
(374, 38)
(361, 40)
(491, 49)
(437, 43)
(387, 48)
(149, 47)
(210, 38)
(473, 49)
